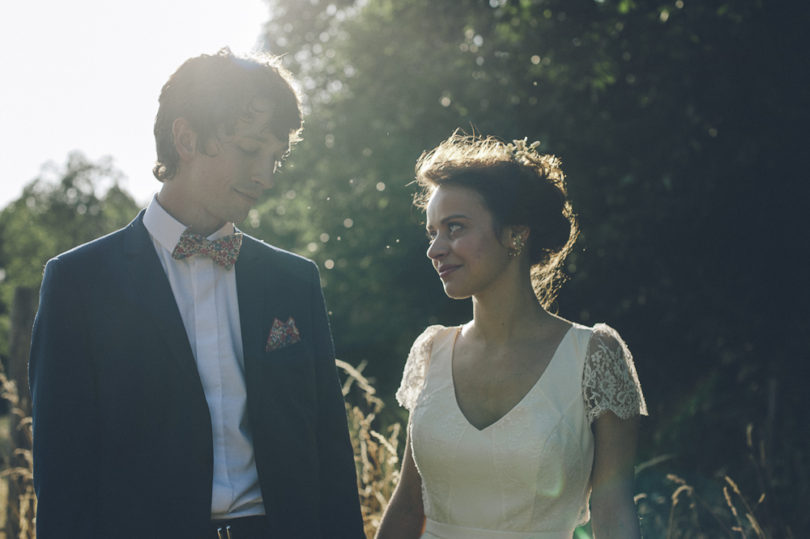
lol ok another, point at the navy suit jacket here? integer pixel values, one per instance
(122, 433)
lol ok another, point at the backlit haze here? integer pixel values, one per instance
(86, 74)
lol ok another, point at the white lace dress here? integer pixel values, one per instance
(528, 474)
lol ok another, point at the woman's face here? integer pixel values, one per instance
(464, 248)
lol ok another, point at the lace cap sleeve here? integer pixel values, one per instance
(609, 379)
(413, 377)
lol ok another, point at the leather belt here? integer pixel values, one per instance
(255, 527)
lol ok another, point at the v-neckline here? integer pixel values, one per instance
(519, 401)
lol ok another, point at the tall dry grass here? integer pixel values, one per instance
(16, 470)
(705, 508)
(671, 508)
(375, 452)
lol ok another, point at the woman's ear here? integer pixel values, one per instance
(185, 139)
(515, 238)
(516, 234)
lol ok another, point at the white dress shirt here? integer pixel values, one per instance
(206, 297)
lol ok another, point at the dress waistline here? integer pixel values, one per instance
(441, 530)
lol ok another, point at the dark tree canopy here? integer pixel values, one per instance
(63, 207)
(679, 125)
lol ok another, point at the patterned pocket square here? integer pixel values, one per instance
(282, 334)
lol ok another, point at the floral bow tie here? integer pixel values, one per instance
(223, 251)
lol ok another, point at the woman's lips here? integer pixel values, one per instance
(444, 271)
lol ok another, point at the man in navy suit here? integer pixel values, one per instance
(182, 373)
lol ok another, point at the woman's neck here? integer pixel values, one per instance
(508, 312)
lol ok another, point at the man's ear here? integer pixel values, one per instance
(185, 139)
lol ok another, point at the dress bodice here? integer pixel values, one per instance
(528, 473)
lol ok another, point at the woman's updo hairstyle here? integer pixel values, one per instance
(519, 186)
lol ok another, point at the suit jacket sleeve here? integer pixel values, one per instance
(64, 410)
(340, 508)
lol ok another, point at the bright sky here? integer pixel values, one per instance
(86, 74)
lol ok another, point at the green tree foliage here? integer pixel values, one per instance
(680, 125)
(60, 209)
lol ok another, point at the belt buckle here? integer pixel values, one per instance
(227, 532)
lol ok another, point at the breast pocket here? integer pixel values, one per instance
(285, 379)
(292, 352)
(290, 366)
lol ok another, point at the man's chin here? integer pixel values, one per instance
(240, 214)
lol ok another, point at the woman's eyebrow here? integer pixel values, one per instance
(454, 216)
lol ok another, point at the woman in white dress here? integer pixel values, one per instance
(522, 424)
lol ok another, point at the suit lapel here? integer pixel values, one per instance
(151, 290)
(251, 286)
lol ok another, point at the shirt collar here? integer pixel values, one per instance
(166, 230)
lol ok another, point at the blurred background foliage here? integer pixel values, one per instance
(680, 126)
(62, 207)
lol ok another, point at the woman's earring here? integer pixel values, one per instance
(518, 243)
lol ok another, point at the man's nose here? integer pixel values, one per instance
(264, 176)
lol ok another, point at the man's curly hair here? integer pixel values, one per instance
(212, 91)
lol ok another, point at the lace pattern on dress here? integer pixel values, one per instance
(413, 377)
(609, 379)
